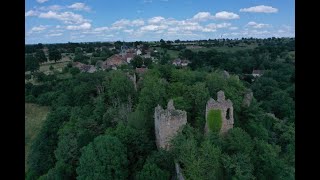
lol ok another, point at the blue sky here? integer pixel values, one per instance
(61, 21)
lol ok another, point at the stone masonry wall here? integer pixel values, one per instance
(167, 123)
(222, 105)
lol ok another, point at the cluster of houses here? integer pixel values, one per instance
(123, 58)
(116, 60)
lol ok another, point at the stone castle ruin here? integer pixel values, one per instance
(247, 99)
(167, 123)
(226, 109)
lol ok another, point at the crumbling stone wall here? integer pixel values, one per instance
(248, 96)
(225, 106)
(178, 172)
(167, 123)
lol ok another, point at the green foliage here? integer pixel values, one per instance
(152, 94)
(200, 160)
(40, 56)
(54, 54)
(237, 166)
(237, 140)
(119, 87)
(137, 142)
(85, 105)
(41, 157)
(31, 63)
(136, 62)
(214, 120)
(104, 158)
(74, 71)
(151, 172)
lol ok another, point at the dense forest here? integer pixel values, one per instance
(101, 127)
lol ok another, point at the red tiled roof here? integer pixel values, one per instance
(115, 60)
(141, 70)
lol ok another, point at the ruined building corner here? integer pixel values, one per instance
(167, 123)
(226, 108)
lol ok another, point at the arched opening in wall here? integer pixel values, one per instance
(228, 114)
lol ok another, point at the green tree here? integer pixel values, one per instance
(31, 63)
(152, 171)
(137, 61)
(41, 157)
(237, 166)
(74, 71)
(104, 158)
(200, 160)
(137, 143)
(41, 56)
(54, 54)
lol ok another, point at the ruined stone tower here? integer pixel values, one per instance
(223, 108)
(167, 123)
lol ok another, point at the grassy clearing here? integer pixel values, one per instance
(57, 66)
(173, 54)
(34, 117)
(215, 120)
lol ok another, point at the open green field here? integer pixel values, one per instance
(173, 54)
(226, 48)
(34, 118)
(57, 66)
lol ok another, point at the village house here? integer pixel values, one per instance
(138, 52)
(84, 67)
(129, 56)
(182, 63)
(114, 60)
(257, 73)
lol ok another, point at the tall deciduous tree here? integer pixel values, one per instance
(41, 56)
(31, 63)
(54, 54)
(104, 158)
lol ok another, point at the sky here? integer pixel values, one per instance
(62, 21)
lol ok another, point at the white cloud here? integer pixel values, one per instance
(147, 1)
(257, 25)
(42, 1)
(224, 15)
(281, 31)
(122, 23)
(213, 27)
(54, 35)
(58, 26)
(208, 30)
(39, 28)
(31, 13)
(233, 28)
(260, 9)
(156, 20)
(83, 26)
(80, 7)
(128, 30)
(153, 27)
(202, 16)
(137, 22)
(101, 29)
(51, 8)
(66, 17)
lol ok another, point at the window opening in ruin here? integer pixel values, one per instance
(228, 114)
